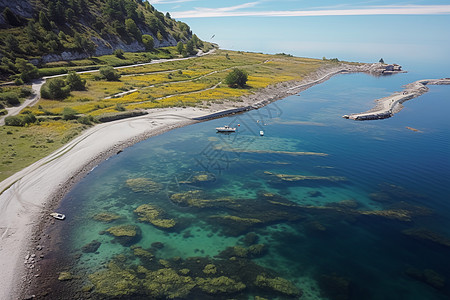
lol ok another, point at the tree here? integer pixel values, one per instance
(70, 15)
(236, 78)
(190, 48)
(109, 73)
(197, 42)
(28, 71)
(159, 36)
(12, 43)
(10, 98)
(11, 18)
(148, 42)
(132, 29)
(55, 89)
(84, 44)
(74, 81)
(119, 53)
(180, 47)
(168, 15)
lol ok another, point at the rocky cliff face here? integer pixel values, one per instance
(18, 7)
(103, 23)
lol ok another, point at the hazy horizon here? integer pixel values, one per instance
(411, 32)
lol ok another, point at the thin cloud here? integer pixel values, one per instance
(170, 1)
(233, 11)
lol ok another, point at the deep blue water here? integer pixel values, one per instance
(328, 248)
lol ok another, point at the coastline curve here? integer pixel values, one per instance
(45, 182)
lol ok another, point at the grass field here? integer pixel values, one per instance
(194, 82)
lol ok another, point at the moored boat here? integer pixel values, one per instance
(58, 216)
(226, 128)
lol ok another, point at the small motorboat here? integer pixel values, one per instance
(261, 133)
(226, 128)
(58, 216)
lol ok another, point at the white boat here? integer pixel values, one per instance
(226, 128)
(58, 216)
(261, 133)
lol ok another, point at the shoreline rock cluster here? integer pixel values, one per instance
(388, 106)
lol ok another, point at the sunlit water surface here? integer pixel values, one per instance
(371, 221)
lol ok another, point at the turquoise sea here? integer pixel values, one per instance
(320, 206)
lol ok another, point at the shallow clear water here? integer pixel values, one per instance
(327, 246)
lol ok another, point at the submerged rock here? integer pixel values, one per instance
(277, 284)
(434, 279)
(210, 269)
(250, 238)
(427, 276)
(349, 203)
(199, 199)
(424, 234)
(91, 247)
(106, 217)
(200, 178)
(335, 287)
(257, 250)
(167, 283)
(126, 234)
(145, 256)
(218, 285)
(65, 276)
(144, 185)
(154, 215)
(390, 193)
(115, 281)
(297, 178)
(314, 194)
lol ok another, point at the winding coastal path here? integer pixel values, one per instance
(386, 107)
(37, 84)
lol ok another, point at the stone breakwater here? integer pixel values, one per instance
(386, 107)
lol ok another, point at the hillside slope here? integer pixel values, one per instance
(51, 30)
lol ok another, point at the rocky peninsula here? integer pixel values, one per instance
(388, 106)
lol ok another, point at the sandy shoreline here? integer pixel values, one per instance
(30, 194)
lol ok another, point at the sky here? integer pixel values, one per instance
(397, 31)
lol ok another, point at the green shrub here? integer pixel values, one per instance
(236, 78)
(74, 81)
(10, 98)
(52, 71)
(69, 113)
(55, 89)
(25, 92)
(109, 73)
(21, 120)
(119, 53)
(86, 120)
(13, 121)
(148, 42)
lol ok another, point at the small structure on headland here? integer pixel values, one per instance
(386, 107)
(385, 69)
